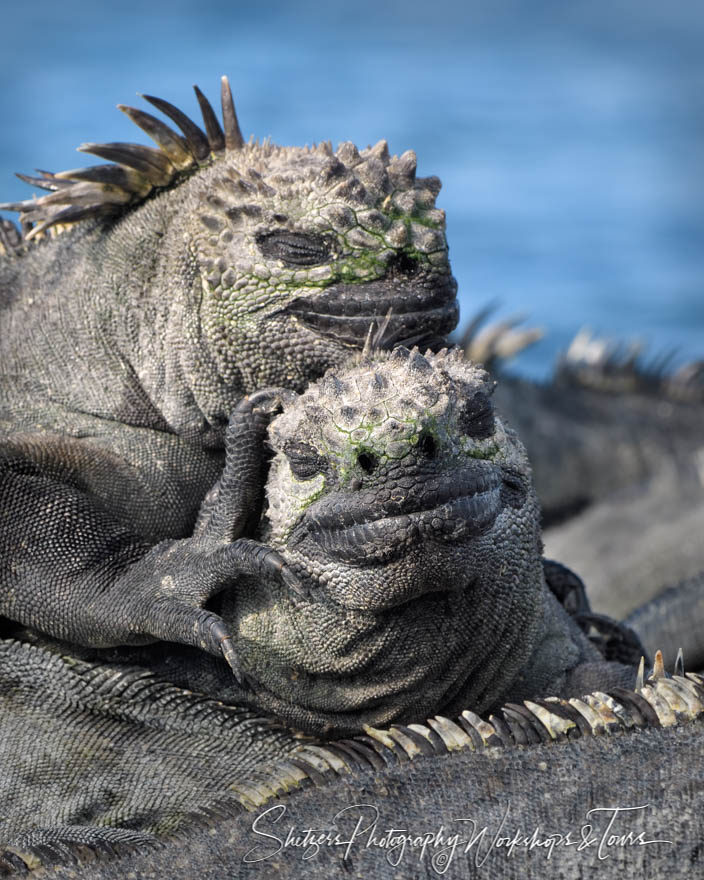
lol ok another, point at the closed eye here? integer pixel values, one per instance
(295, 248)
(304, 461)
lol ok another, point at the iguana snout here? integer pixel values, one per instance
(376, 527)
(419, 306)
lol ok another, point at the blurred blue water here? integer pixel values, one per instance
(569, 136)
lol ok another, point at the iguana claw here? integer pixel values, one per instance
(243, 679)
(291, 579)
(267, 399)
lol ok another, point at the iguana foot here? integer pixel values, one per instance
(233, 505)
(162, 595)
(191, 571)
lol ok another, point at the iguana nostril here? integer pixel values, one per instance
(367, 461)
(403, 264)
(427, 445)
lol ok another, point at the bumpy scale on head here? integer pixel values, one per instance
(326, 244)
(403, 413)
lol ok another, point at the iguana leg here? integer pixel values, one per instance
(615, 640)
(70, 568)
(234, 504)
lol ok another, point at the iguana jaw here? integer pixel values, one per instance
(373, 529)
(380, 546)
(346, 311)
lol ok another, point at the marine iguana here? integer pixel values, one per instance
(111, 774)
(117, 680)
(401, 507)
(115, 757)
(93, 745)
(198, 271)
(130, 395)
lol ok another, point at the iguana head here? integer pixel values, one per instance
(292, 254)
(391, 477)
(327, 245)
(404, 504)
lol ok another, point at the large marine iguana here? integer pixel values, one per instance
(93, 386)
(199, 271)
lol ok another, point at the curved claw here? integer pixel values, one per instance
(221, 638)
(291, 579)
(276, 564)
(269, 398)
(259, 559)
(230, 655)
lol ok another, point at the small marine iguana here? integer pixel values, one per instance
(106, 758)
(403, 510)
(198, 271)
(377, 616)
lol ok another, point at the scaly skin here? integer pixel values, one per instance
(127, 341)
(404, 507)
(111, 773)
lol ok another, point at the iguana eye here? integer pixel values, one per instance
(304, 461)
(295, 248)
(478, 418)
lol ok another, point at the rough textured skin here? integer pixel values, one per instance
(126, 342)
(100, 744)
(403, 505)
(124, 346)
(674, 620)
(109, 745)
(167, 783)
(615, 441)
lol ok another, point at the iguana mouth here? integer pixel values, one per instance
(416, 311)
(447, 508)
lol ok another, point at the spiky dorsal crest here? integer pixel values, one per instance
(102, 189)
